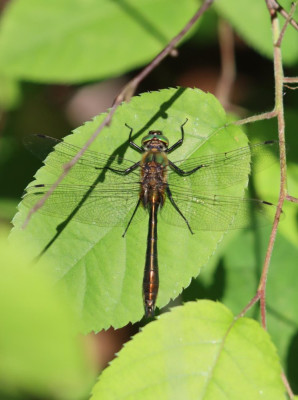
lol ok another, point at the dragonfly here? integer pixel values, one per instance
(118, 192)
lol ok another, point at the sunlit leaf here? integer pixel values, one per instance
(41, 351)
(102, 270)
(198, 351)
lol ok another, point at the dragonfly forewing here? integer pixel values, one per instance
(103, 206)
(90, 167)
(219, 171)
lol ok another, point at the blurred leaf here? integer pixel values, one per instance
(267, 182)
(103, 271)
(251, 20)
(206, 33)
(9, 92)
(8, 208)
(196, 351)
(75, 41)
(243, 261)
(40, 351)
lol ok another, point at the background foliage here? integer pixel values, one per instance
(60, 63)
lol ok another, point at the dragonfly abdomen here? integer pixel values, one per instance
(151, 279)
(152, 195)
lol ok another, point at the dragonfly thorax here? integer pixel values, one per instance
(155, 140)
(153, 178)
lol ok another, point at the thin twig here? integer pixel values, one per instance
(252, 302)
(279, 113)
(288, 20)
(273, 6)
(278, 77)
(293, 79)
(228, 69)
(279, 108)
(287, 386)
(125, 94)
(291, 87)
(69, 165)
(291, 198)
(130, 88)
(254, 118)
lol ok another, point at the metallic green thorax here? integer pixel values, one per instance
(153, 136)
(159, 158)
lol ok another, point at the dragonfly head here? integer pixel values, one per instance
(155, 139)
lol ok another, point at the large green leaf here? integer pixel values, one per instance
(102, 270)
(74, 40)
(198, 351)
(251, 20)
(41, 353)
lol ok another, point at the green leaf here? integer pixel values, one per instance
(8, 208)
(41, 353)
(243, 260)
(102, 270)
(75, 41)
(10, 93)
(198, 351)
(267, 183)
(251, 20)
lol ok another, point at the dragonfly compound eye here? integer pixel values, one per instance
(155, 136)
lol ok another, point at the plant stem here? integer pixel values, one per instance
(279, 108)
(255, 118)
(228, 68)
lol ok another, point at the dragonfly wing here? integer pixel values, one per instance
(90, 167)
(215, 212)
(219, 171)
(112, 206)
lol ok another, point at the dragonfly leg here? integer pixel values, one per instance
(126, 171)
(131, 218)
(131, 142)
(169, 193)
(185, 173)
(180, 141)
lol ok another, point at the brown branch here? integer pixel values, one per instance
(288, 20)
(287, 386)
(291, 87)
(291, 198)
(130, 88)
(252, 302)
(228, 69)
(278, 78)
(125, 94)
(279, 112)
(273, 6)
(255, 118)
(291, 79)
